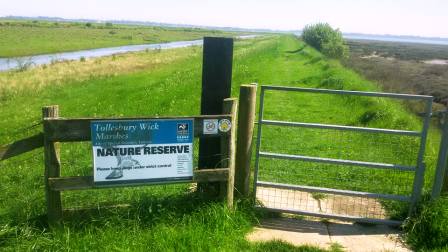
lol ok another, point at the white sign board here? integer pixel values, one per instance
(142, 151)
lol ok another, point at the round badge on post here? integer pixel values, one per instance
(224, 125)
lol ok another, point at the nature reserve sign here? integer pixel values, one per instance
(142, 151)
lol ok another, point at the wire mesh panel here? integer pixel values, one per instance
(350, 166)
(321, 203)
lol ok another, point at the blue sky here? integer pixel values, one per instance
(398, 17)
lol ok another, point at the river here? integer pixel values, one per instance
(36, 60)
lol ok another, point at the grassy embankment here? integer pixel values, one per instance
(24, 38)
(171, 217)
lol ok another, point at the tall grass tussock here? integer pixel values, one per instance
(427, 230)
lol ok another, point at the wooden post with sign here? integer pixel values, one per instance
(216, 86)
(228, 150)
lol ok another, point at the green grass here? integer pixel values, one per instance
(23, 38)
(428, 229)
(171, 217)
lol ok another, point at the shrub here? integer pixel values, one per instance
(428, 228)
(88, 24)
(325, 39)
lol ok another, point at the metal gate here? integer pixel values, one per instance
(363, 174)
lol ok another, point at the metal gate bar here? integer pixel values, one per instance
(334, 191)
(348, 92)
(336, 216)
(337, 161)
(340, 127)
(418, 169)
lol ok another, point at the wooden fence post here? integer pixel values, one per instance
(52, 169)
(246, 119)
(228, 148)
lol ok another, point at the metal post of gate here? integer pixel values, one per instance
(257, 151)
(420, 172)
(440, 175)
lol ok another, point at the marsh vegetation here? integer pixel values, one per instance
(402, 67)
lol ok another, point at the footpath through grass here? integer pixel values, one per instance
(24, 38)
(171, 217)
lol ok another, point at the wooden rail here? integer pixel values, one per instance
(78, 129)
(86, 182)
(21, 146)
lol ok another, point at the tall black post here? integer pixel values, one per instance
(216, 86)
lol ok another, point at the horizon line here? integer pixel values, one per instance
(209, 26)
